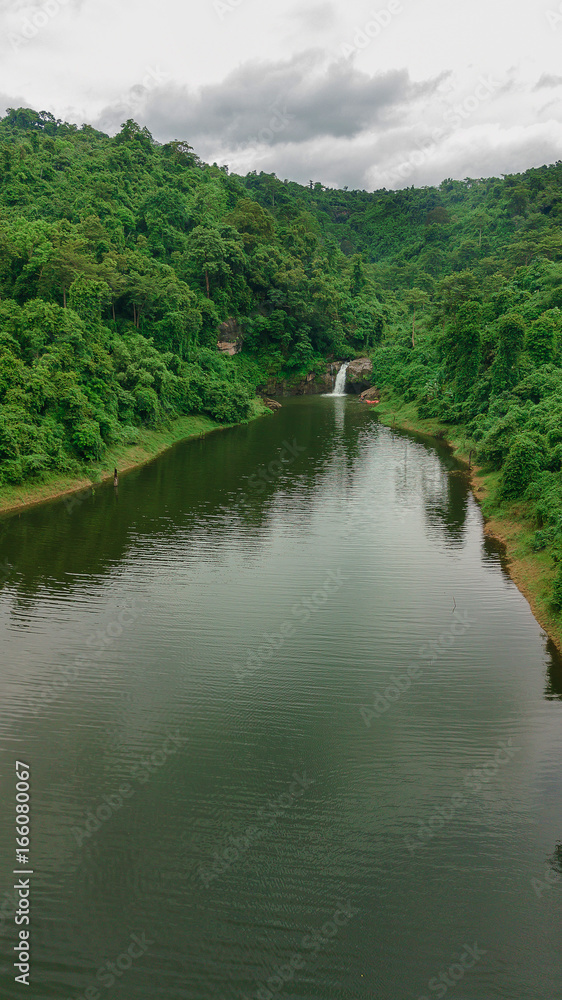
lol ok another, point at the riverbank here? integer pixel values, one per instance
(509, 523)
(124, 457)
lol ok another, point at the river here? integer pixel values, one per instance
(291, 729)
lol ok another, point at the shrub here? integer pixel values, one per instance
(87, 440)
(225, 403)
(522, 465)
(557, 590)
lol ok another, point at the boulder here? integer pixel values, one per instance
(271, 404)
(325, 383)
(308, 385)
(230, 337)
(229, 347)
(359, 374)
(372, 393)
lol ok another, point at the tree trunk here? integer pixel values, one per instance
(207, 283)
(134, 315)
(64, 296)
(414, 328)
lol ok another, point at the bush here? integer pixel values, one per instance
(87, 440)
(227, 404)
(557, 590)
(12, 471)
(522, 465)
(147, 405)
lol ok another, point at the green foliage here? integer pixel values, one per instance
(557, 590)
(521, 466)
(511, 330)
(123, 262)
(540, 341)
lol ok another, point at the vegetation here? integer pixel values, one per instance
(120, 259)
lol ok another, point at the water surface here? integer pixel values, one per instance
(237, 789)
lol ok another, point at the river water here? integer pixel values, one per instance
(292, 731)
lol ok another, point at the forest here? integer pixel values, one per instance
(120, 257)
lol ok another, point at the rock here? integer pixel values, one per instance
(359, 375)
(309, 385)
(228, 347)
(372, 393)
(272, 404)
(325, 383)
(230, 337)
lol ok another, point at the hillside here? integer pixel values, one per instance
(120, 258)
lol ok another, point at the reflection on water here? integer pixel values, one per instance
(187, 682)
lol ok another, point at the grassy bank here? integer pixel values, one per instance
(149, 444)
(510, 523)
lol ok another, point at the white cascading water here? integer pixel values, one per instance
(339, 387)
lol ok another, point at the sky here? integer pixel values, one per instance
(358, 94)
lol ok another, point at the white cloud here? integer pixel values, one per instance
(265, 86)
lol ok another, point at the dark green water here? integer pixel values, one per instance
(219, 812)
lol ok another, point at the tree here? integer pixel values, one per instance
(467, 330)
(541, 338)
(456, 289)
(511, 329)
(518, 200)
(89, 297)
(415, 298)
(522, 465)
(480, 220)
(216, 254)
(358, 278)
(131, 133)
(438, 216)
(253, 222)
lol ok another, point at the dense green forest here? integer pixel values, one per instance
(120, 258)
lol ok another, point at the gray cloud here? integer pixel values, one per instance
(548, 80)
(279, 102)
(13, 101)
(317, 116)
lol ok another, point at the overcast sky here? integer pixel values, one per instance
(367, 95)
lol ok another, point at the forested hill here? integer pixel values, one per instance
(121, 257)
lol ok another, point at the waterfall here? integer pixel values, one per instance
(339, 388)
